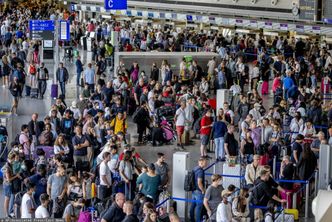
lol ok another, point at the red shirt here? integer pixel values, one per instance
(122, 154)
(206, 121)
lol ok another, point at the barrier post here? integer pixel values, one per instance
(316, 182)
(294, 200)
(186, 207)
(274, 166)
(283, 215)
(307, 199)
(168, 205)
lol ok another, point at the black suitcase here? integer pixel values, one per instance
(27, 90)
(34, 93)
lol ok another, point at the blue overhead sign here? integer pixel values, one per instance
(41, 25)
(42, 29)
(116, 4)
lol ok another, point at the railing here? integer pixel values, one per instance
(305, 185)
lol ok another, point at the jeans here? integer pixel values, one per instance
(42, 87)
(219, 143)
(78, 78)
(196, 207)
(63, 88)
(128, 191)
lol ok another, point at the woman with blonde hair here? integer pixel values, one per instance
(6, 70)
(61, 147)
(240, 206)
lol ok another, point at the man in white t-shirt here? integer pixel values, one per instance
(105, 176)
(28, 205)
(180, 120)
(41, 211)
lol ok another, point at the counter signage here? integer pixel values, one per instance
(299, 28)
(268, 25)
(253, 23)
(283, 27)
(116, 4)
(316, 29)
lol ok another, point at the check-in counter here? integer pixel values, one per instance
(145, 59)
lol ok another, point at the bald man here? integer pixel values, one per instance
(128, 210)
(115, 212)
(173, 217)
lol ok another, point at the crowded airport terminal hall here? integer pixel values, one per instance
(166, 110)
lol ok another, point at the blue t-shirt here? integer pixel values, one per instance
(41, 185)
(199, 174)
(288, 82)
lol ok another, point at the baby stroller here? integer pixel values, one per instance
(68, 56)
(167, 113)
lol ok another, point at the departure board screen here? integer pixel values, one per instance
(307, 9)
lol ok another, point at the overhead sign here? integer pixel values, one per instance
(116, 4)
(64, 30)
(42, 29)
(307, 9)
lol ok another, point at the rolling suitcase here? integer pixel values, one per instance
(27, 90)
(34, 93)
(54, 91)
(186, 137)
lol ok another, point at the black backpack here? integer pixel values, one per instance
(135, 115)
(189, 181)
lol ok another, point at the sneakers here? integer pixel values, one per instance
(179, 147)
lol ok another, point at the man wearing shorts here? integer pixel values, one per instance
(180, 120)
(206, 127)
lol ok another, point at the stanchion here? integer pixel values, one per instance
(274, 166)
(307, 199)
(294, 200)
(316, 182)
(186, 207)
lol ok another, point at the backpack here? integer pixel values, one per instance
(102, 67)
(189, 181)
(84, 216)
(17, 204)
(135, 115)
(17, 138)
(32, 70)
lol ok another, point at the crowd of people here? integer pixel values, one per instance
(80, 156)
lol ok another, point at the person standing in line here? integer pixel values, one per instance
(62, 77)
(115, 212)
(180, 120)
(57, 187)
(41, 211)
(90, 77)
(14, 89)
(42, 77)
(206, 127)
(105, 176)
(231, 145)
(128, 208)
(28, 205)
(199, 191)
(212, 196)
(79, 70)
(219, 130)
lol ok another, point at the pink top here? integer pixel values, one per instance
(276, 83)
